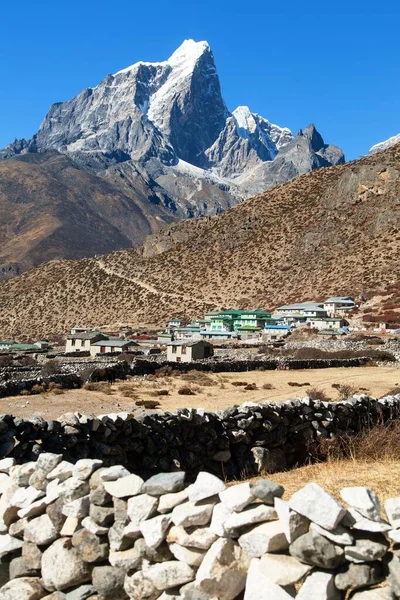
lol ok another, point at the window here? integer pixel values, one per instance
(173, 349)
(72, 342)
(178, 359)
(183, 350)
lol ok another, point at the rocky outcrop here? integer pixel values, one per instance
(70, 532)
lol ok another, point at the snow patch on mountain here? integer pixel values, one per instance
(381, 146)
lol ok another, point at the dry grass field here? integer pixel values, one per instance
(209, 391)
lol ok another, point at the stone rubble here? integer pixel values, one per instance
(108, 534)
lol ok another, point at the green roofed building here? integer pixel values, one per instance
(235, 319)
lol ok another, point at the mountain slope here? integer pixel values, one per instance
(392, 141)
(51, 209)
(161, 132)
(330, 231)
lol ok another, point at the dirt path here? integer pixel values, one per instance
(211, 391)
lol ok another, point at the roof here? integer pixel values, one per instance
(342, 299)
(215, 333)
(237, 312)
(278, 327)
(301, 305)
(23, 347)
(85, 335)
(188, 343)
(7, 342)
(115, 343)
(325, 319)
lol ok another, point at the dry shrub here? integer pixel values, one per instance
(166, 371)
(250, 386)
(52, 367)
(186, 391)
(149, 404)
(379, 443)
(393, 391)
(268, 386)
(129, 393)
(38, 389)
(98, 386)
(239, 383)
(159, 393)
(346, 390)
(296, 384)
(55, 388)
(317, 394)
(198, 377)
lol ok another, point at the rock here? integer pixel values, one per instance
(127, 559)
(132, 531)
(205, 486)
(394, 574)
(6, 464)
(190, 556)
(367, 547)
(78, 508)
(120, 509)
(168, 501)
(17, 529)
(355, 520)
(340, 535)
(141, 508)
(32, 555)
(282, 569)
(170, 574)
(261, 587)
(108, 581)
(255, 513)
(190, 514)
(102, 515)
(317, 505)
(139, 586)
(20, 474)
(34, 509)
(219, 516)
(131, 485)
(70, 526)
(269, 460)
(61, 472)
(5, 482)
(160, 554)
(99, 496)
(90, 547)
(93, 527)
(201, 537)
(114, 473)
(392, 508)
(39, 480)
(375, 594)
(314, 549)
(164, 483)
(47, 462)
(26, 496)
(266, 491)
(19, 568)
(364, 500)
(294, 525)
(41, 531)
(354, 576)
(69, 490)
(394, 535)
(9, 544)
(54, 511)
(319, 585)
(223, 570)
(23, 588)
(84, 468)
(62, 567)
(154, 530)
(116, 536)
(4, 573)
(237, 497)
(268, 537)
(80, 593)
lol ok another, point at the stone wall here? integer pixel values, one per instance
(229, 443)
(8, 270)
(70, 532)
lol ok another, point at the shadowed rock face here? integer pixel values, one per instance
(164, 127)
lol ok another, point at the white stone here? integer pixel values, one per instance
(294, 525)
(257, 513)
(62, 567)
(22, 588)
(190, 556)
(26, 496)
(6, 464)
(375, 594)
(164, 483)
(260, 587)
(40, 531)
(313, 502)
(126, 559)
(205, 486)
(169, 574)
(364, 500)
(154, 530)
(268, 537)
(223, 570)
(282, 569)
(141, 508)
(363, 524)
(93, 527)
(190, 514)
(394, 535)
(237, 497)
(9, 544)
(114, 473)
(131, 485)
(48, 461)
(78, 508)
(392, 508)
(132, 531)
(5, 482)
(71, 525)
(168, 501)
(84, 467)
(340, 535)
(61, 472)
(34, 509)
(140, 587)
(20, 474)
(319, 585)
(219, 517)
(201, 537)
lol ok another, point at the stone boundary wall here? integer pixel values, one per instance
(71, 532)
(240, 440)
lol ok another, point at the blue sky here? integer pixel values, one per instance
(294, 62)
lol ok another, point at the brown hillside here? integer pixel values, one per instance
(331, 231)
(51, 209)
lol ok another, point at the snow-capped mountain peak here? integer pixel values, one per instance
(381, 146)
(188, 52)
(244, 120)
